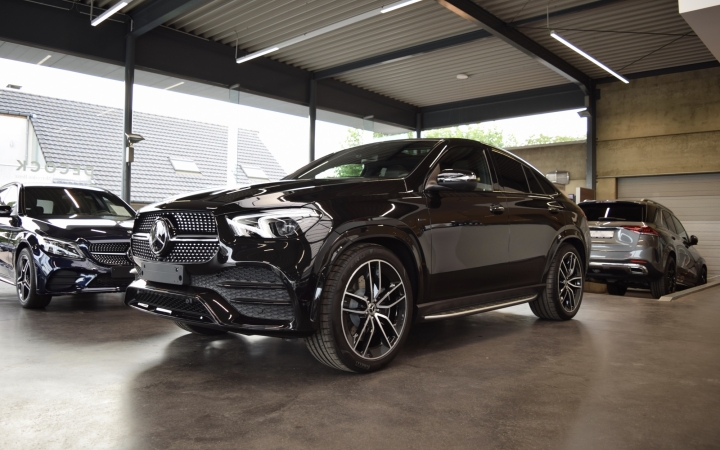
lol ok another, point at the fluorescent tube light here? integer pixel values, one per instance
(397, 5)
(590, 58)
(44, 59)
(117, 7)
(257, 54)
(174, 85)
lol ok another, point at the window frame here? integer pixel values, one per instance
(484, 149)
(501, 187)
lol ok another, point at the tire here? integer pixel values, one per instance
(556, 302)
(667, 282)
(363, 342)
(616, 289)
(26, 282)
(199, 329)
(702, 279)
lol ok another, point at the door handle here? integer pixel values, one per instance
(497, 209)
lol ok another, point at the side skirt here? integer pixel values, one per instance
(474, 304)
(479, 309)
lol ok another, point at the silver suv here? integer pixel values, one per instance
(641, 244)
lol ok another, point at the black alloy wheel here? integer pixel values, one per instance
(667, 283)
(702, 279)
(25, 282)
(365, 311)
(562, 296)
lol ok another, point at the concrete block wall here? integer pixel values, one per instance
(662, 125)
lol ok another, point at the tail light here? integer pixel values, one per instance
(642, 230)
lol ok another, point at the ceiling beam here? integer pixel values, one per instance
(447, 42)
(469, 10)
(154, 13)
(503, 106)
(52, 25)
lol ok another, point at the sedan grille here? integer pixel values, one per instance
(110, 253)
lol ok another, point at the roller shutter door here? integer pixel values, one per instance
(695, 200)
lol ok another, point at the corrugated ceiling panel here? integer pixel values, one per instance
(257, 25)
(494, 68)
(619, 50)
(512, 10)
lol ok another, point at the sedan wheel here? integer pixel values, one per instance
(25, 282)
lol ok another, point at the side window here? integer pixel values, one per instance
(535, 187)
(667, 220)
(679, 228)
(548, 187)
(469, 158)
(510, 173)
(9, 196)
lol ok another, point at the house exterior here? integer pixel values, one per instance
(50, 139)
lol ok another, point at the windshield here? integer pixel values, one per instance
(629, 212)
(71, 203)
(394, 159)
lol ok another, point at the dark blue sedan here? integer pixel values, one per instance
(57, 240)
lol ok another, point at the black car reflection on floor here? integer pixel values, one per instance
(350, 250)
(57, 240)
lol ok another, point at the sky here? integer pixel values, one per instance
(286, 136)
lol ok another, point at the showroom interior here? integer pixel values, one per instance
(629, 371)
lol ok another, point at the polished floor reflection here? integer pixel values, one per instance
(627, 373)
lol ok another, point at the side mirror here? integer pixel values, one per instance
(5, 210)
(457, 179)
(693, 240)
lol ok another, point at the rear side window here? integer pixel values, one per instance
(626, 212)
(667, 220)
(535, 187)
(510, 173)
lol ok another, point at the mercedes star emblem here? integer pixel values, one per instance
(160, 236)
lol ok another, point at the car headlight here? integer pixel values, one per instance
(56, 247)
(280, 223)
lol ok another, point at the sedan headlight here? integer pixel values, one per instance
(280, 223)
(56, 247)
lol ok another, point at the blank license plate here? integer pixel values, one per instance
(162, 273)
(602, 234)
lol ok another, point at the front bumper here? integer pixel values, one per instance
(62, 276)
(220, 301)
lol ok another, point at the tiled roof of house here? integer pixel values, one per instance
(91, 135)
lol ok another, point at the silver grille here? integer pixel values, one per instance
(181, 252)
(110, 253)
(184, 222)
(194, 237)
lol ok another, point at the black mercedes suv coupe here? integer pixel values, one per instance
(57, 240)
(353, 248)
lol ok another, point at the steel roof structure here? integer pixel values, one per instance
(400, 67)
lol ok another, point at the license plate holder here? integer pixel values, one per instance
(121, 272)
(163, 273)
(602, 234)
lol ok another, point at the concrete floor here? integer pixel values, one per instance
(628, 373)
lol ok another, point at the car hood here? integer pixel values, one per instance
(279, 194)
(74, 229)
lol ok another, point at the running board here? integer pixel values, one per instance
(480, 309)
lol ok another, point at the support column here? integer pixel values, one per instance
(313, 115)
(127, 127)
(418, 125)
(591, 143)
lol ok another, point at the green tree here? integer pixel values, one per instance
(492, 136)
(544, 139)
(353, 139)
